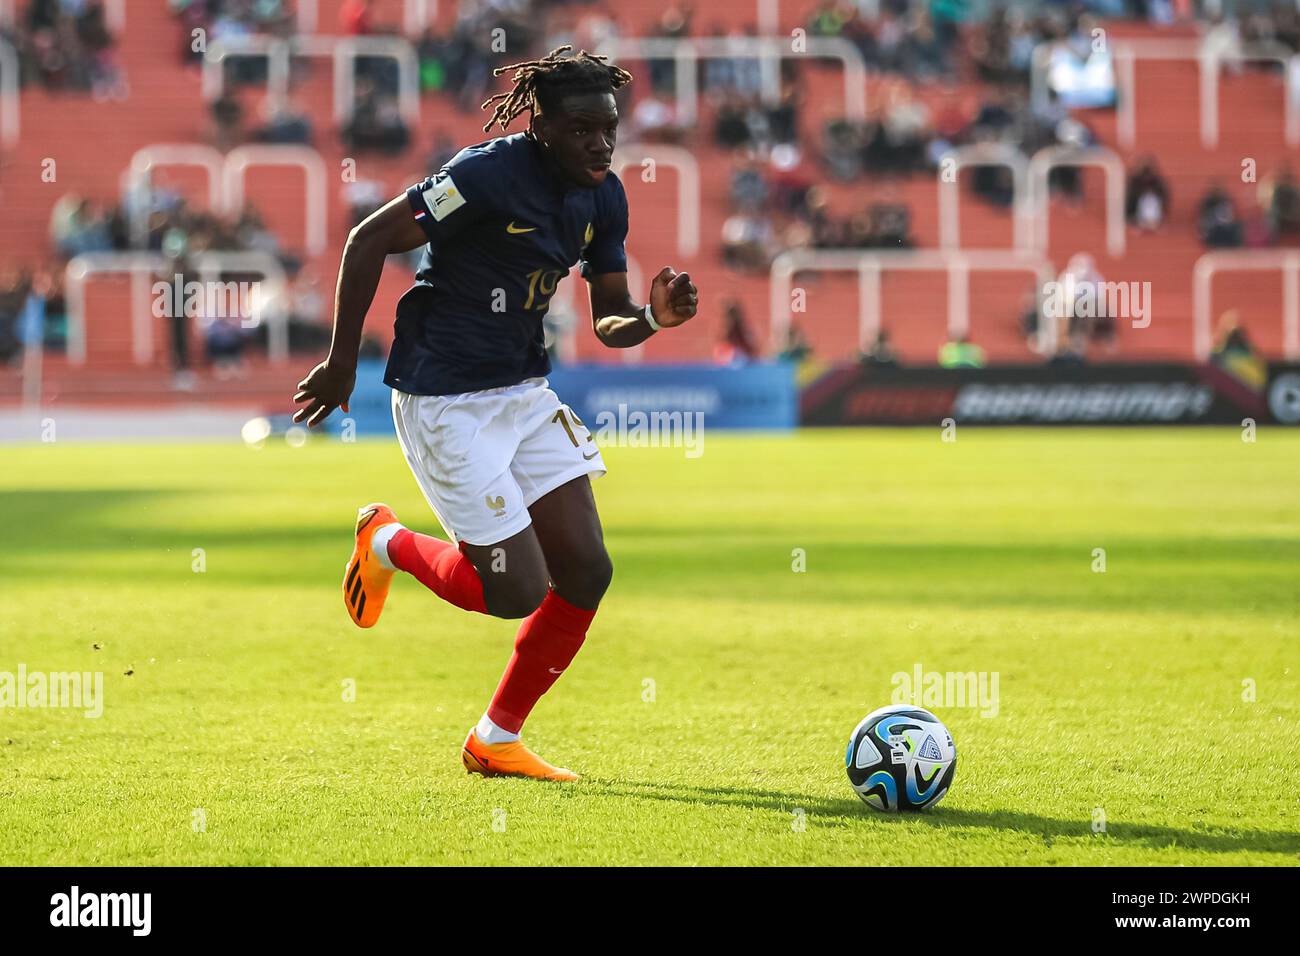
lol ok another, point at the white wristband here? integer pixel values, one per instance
(650, 318)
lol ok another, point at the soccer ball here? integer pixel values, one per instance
(901, 758)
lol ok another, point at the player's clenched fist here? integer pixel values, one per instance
(673, 297)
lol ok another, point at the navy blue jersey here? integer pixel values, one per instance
(503, 231)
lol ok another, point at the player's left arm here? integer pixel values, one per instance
(620, 323)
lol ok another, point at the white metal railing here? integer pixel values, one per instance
(344, 51)
(144, 267)
(137, 189)
(869, 264)
(243, 158)
(1287, 261)
(688, 186)
(1052, 157)
(769, 51)
(1127, 53)
(416, 15)
(1210, 68)
(10, 99)
(226, 177)
(984, 154)
(114, 14)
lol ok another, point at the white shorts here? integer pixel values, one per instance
(481, 458)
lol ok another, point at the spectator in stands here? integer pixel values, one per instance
(47, 283)
(1217, 221)
(1031, 316)
(736, 346)
(356, 18)
(1067, 181)
(376, 122)
(731, 126)
(788, 178)
(179, 270)
(890, 225)
(749, 190)
(285, 124)
(960, 352)
(795, 347)
(991, 48)
(363, 197)
(904, 131)
(15, 284)
(227, 122)
(881, 354)
(1086, 318)
(1235, 354)
(78, 225)
(224, 342)
(830, 18)
(674, 23)
(1146, 201)
(747, 242)
(654, 121)
(726, 75)
(1280, 197)
(843, 148)
(66, 46)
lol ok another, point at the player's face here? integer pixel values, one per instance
(580, 137)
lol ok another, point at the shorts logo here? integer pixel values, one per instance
(518, 230)
(443, 197)
(497, 504)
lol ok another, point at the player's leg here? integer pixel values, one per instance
(568, 530)
(506, 579)
(555, 458)
(459, 449)
(549, 637)
(572, 541)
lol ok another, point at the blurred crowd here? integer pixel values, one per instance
(941, 79)
(65, 45)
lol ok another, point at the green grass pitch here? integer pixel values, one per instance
(226, 737)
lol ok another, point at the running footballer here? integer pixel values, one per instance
(503, 463)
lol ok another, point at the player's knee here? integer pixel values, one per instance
(515, 599)
(585, 584)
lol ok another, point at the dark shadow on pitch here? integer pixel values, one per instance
(824, 812)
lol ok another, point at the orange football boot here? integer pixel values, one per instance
(508, 760)
(365, 580)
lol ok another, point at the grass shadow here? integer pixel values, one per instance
(826, 812)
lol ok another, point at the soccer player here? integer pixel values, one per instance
(503, 463)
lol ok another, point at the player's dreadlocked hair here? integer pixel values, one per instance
(541, 82)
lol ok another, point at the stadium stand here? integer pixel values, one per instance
(817, 179)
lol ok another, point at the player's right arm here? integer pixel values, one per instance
(385, 232)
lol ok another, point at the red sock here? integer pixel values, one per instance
(440, 567)
(548, 640)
